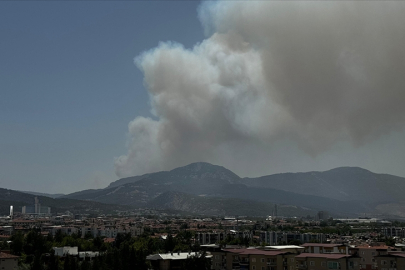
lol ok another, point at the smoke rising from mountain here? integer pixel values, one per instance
(312, 72)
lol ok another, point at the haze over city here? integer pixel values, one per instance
(95, 91)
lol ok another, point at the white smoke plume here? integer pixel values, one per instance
(312, 72)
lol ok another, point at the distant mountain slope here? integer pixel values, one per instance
(126, 180)
(341, 208)
(43, 194)
(18, 199)
(196, 178)
(87, 194)
(222, 206)
(347, 191)
(214, 181)
(199, 172)
(345, 183)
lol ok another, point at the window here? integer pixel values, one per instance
(333, 265)
(383, 262)
(262, 260)
(311, 263)
(216, 257)
(292, 260)
(253, 267)
(253, 259)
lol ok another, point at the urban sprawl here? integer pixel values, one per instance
(150, 239)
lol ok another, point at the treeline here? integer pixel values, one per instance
(126, 252)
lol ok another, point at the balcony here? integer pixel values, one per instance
(244, 262)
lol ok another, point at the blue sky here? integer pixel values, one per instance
(69, 85)
(274, 86)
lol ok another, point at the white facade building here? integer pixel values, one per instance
(63, 251)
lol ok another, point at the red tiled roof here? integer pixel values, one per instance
(373, 247)
(7, 256)
(246, 251)
(109, 240)
(320, 245)
(399, 254)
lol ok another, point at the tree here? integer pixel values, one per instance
(17, 243)
(36, 265)
(85, 265)
(169, 243)
(66, 264)
(121, 238)
(198, 261)
(53, 262)
(34, 243)
(98, 243)
(390, 242)
(49, 237)
(58, 236)
(4, 245)
(96, 264)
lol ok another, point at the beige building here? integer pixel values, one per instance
(325, 248)
(314, 261)
(392, 261)
(253, 259)
(367, 254)
(8, 261)
(170, 261)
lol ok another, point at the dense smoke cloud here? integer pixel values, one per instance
(313, 72)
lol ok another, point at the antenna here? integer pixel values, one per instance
(11, 211)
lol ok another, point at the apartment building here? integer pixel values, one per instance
(252, 259)
(111, 231)
(368, 253)
(314, 261)
(209, 238)
(8, 261)
(325, 248)
(393, 232)
(64, 230)
(392, 261)
(276, 238)
(63, 251)
(170, 261)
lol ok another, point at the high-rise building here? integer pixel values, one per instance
(36, 209)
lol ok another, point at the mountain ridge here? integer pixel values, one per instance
(190, 168)
(342, 190)
(18, 199)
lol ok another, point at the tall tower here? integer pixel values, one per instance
(11, 212)
(36, 205)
